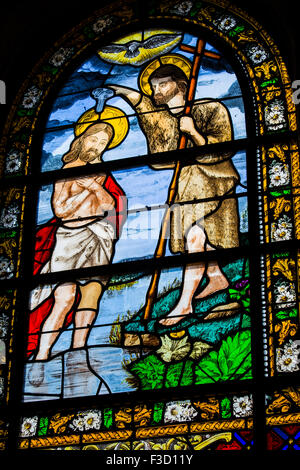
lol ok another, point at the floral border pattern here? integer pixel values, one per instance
(202, 424)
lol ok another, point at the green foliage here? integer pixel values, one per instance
(232, 360)
(150, 371)
(246, 322)
(8, 234)
(107, 417)
(241, 296)
(236, 30)
(284, 254)
(173, 375)
(285, 314)
(284, 192)
(43, 426)
(246, 269)
(225, 408)
(127, 278)
(273, 81)
(51, 69)
(188, 374)
(195, 9)
(158, 411)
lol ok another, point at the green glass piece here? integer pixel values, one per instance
(107, 418)
(284, 192)
(25, 112)
(196, 8)
(10, 234)
(43, 426)
(225, 408)
(236, 31)
(150, 371)
(173, 375)
(50, 69)
(269, 82)
(246, 322)
(232, 360)
(188, 374)
(285, 314)
(158, 411)
(280, 255)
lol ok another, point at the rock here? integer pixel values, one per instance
(146, 339)
(131, 340)
(226, 310)
(150, 340)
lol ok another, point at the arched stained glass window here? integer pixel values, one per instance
(149, 178)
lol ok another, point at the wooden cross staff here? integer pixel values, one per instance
(198, 51)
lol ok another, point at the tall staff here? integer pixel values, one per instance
(199, 51)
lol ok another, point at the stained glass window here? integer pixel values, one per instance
(150, 177)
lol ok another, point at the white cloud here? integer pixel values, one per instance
(214, 85)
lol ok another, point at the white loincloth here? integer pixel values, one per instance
(78, 247)
(81, 247)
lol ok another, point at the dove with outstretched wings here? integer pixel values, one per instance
(138, 52)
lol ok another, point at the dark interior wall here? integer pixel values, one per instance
(28, 29)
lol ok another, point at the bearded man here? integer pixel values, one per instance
(81, 235)
(200, 226)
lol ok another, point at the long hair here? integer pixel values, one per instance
(75, 148)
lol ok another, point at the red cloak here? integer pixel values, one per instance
(44, 244)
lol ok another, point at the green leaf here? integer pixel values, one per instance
(247, 269)
(241, 346)
(173, 375)
(150, 371)
(107, 417)
(208, 371)
(223, 359)
(246, 321)
(234, 294)
(283, 314)
(230, 361)
(43, 426)
(188, 374)
(246, 303)
(225, 408)
(284, 192)
(158, 410)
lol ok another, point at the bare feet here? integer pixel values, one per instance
(176, 315)
(216, 282)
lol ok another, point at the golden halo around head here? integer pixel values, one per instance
(111, 115)
(169, 59)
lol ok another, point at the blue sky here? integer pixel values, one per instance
(143, 186)
(215, 81)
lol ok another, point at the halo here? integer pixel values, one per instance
(169, 59)
(111, 115)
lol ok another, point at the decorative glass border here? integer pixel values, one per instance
(224, 421)
(282, 419)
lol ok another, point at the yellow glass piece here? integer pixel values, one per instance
(227, 436)
(177, 334)
(139, 48)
